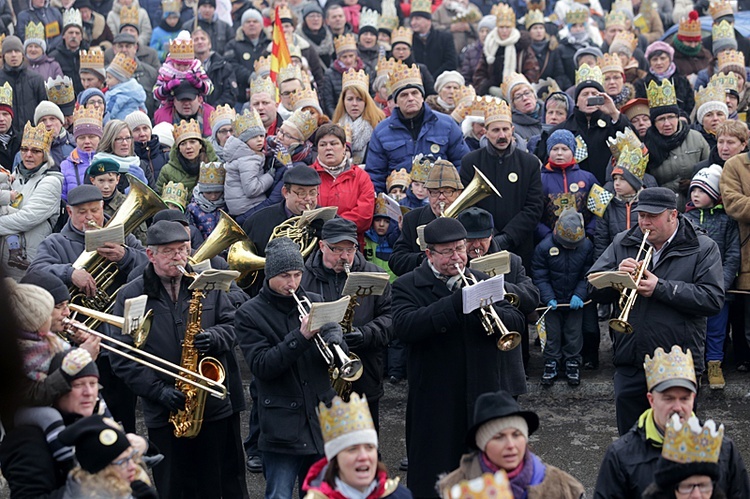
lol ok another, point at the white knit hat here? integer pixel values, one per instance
(164, 132)
(449, 77)
(495, 426)
(136, 119)
(32, 306)
(708, 179)
(47, 108)
(709, 106)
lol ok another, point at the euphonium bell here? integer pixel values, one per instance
(243, 258)
(226, 233)
(479, 188)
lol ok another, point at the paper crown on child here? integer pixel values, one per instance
(175, 194)
(182, 48)
(487, 486)
(633, 160)
(123, 67)
(36, 137)
(670, 369)
(621, 139)
(186, 130)
(221, 114)
(398, 178)
(420, 168)
(248, 120)
(346, 424)
(211, 177)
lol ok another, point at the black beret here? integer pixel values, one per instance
(172, 216)
(101, 166)
(444, 230)
(336, 230)
(50, 282)
(86, 193)
(301, 175)
(655, 200)
(166, 232)
(97, 443)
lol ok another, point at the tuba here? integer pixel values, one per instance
(226, 233)
(628, 296)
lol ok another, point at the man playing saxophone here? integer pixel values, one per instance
(680, 288)
(192, 467)
(290, 372)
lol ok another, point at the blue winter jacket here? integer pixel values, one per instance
(559, 272)
(124, 99)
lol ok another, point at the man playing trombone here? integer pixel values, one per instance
(682, 286)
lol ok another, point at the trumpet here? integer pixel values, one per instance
(351, 368)
(628, 296)
(491, 320)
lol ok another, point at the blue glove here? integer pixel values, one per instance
(576, 303)
(553, 304)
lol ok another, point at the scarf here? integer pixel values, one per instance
(37, 350)
(170, 29)
(667, 74)
(624, 96)
(540, 48)
(5, 139)
(660, 146)
(204, 204)
(351, 493)
(124, 161)
(578, 39)
(493, 43)
(680, 47)
(322, 41)
(560, 166)
(445, 105)
(653, 434)
(520, 478)
(339, 66)
(191, 167)
(300, 152)
(361, 133)
(26, 173)
(336, 170)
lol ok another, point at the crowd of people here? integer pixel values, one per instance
(426, 146)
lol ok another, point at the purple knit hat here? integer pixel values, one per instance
(659, 46)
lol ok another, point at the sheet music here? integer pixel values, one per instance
(135, 310)
(420, 237)
(612, 279)
(325, 213)
(365, 284)
(483, 293)
(325, 312)
(392, 208)
(492, 264)
(95, 238)
(199, 267)
(212, 279)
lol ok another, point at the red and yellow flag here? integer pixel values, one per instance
(280, 57)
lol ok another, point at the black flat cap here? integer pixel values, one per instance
(655, 200)
(477, 222)
(50, 282)
(97, 443)
(301, 175)
(185, 90)
(336, 230)
(172, 216)
(125, 38)
(166, 232)
(84, 194)
(444, 230)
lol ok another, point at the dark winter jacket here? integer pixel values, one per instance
(560, 185)
(437, 51)
(487, 75)
(219, 31)
(470, 58)
(560, 272)
(8, 151)
(618, 216)
(70, 63)
(724, 231)
(46, 15)
(242, 54)
(551, 64)
(220, 72)
(407, 255)
(28, 92)
(526, 125)
(567, 52)
(152, 157)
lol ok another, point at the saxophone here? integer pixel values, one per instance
(343, 387)
(187, 422)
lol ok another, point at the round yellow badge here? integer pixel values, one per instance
(574, 187)
(246, 56)
(554, 251)
(513, 177)
(434, 148)
(108, 437)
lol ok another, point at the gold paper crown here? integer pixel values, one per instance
(722, 31)
(464, 95)
(6, 95)
(262, 65)
(661, 95)
(546, 87)
(357, 79)
(304, 122)
(284, 12)
(609, 63)
(421, 6)
(344, 418)
(589, 73)
(368, 17)
(87, 116)
(401, 76)
(690, 27)
(304, 98)
(710, 93)
(577, 15)
(690, 442)
(212, 173)
(182, 49)
(385, 66)
(614, 18)
(487, 486)
(35, 31)
(510, 81)
(621, 139)
(124, 65)
(398, 177)
(171, 6)
(262, 84)
(625, 39)
(294, 51)
(221, 113)
(633, 160)
(533, 17)
(36, 137)
(60, 90)
(289, 72)
(72, 17)
(344, 43)
(720, 8)
(730, 58)
(93, 59)
(668, 366)
(186, 130)
(504, 15)
(727, 81)
(420, 168)
(402, 35)
(247, 120)
(624, 5)
(388, 18)
(381, 209)
(130, 15)
(497, 111)
(175, 193)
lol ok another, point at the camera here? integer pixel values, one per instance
(597, 100)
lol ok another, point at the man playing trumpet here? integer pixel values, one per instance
(682, 286)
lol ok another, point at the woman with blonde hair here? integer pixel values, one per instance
(357, 110)
(117, 144)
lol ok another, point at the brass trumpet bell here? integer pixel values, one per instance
(243, 258)
(513, 299)
(226, 233)
(509, 341)
(479, 188)
(621, 326)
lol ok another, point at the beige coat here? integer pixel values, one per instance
(735, 191)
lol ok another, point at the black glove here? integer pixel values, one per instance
(140, 490)
(503, 241)
(204, 342)
(355, 339)
(331, 333)
(172, 398)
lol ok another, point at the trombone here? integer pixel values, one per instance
(170, 369)
(351, 369)
(628, 296)
(491, 320)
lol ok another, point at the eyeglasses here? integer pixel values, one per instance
(522, 96)
(687, 488)
(171, 252)
(125, 460)
(224, 131)
(337, 250)
(281, 133)
(122, 140)
(447, 193)
(32, 150)
(460, 249)
(305, 195)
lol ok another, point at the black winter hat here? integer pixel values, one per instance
(97, 443)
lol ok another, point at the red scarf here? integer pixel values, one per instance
(560, 166)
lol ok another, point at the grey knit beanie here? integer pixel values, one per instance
(47, 108)
(136, 119)
(283, 255)
(32, 306)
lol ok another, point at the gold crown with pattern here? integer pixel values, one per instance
(307, 97)
(345, 43)
(124, 65)
(262, 65)
(72, 17)
(668, 366)
(388, 20)
(60, 90)
(284, 12)
(690, 27)
(621, 139)
(577, 15)
(633, 160)
(615, 18)
(661, 95)
(87, 116)
(397, 178)
(247, 120)
(368, 18)
(533, 17)
(624, 5)
(722, 31)
(130, 15)
(175, 193)
(730, 58)
(304, 122)
(171, 6)
(710, 93)
(487, 486)
(6, 95)
(420, 168)
(294, 50)
(504, 15)
(92, 59)
(720, 8)
(727, 81)
(35, 31)
(689, 442)
(589, 73)
(346, 424)
(402, 35)
(609, 63)
(497, 111)
(385, 66)
(401, 76)
(509, 83)
(221, 113)
(182, 49)
(352, 78)
(381, 207)
(36, 137)
(289, 72)
(421, 6)
(624, 39)
(464, 96)
(212, 173)
(261, 85)
(186, 130)
(469, 104)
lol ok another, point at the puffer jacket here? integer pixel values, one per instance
(724, 231)
(62, 146)
(173, 171)
(46, 15)
(144, 23)
(124, 99)
(558, 184)
(46, 67)
(28, 92)
(618, 216)
(74, 169)
(246, 183)
(153, 158)
(219, 31)
(352, 193)
(318, 488)
(679, 165)
(560, 272)
(735, 185)
(242, 54)
(470, 57)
